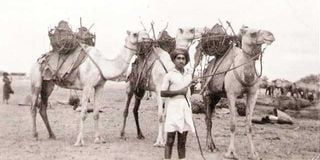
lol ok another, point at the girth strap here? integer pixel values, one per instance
(99, 69)
(245, 84)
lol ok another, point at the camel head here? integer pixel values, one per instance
(133, 38)
(186, 35)
(255, 37)
(189, 33)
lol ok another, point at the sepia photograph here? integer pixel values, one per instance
(160, 80)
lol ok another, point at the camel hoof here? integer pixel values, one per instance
(52, 136)
(123, 137)
(212, 149)
(215, 150)
(77, 144)
(255, 156)
(35, 135)
(230, 155)
(158, 144)
(99, 140)
(140, 137)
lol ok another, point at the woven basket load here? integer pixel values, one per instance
(62, 38)
(216, 41)
(166, 42)
(144, 47)
(85, 37)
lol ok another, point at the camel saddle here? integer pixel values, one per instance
(62, 68)
(141, 71)
(219, 66)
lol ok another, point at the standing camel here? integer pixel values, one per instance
(93, 73)
(160, 67)
(235, 83)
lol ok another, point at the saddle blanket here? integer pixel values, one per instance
(62, 68)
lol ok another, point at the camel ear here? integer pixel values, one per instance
(192, 30)
(135, 35)
(243, 30)
(128, 32)
(180, 30)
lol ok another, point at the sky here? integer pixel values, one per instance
(295, 25)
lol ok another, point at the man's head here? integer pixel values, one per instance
(180, 58)
(176, 52)
(5, 73)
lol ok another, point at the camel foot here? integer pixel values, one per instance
(78, 144)
(140, 136)
(231, 155)
(254, 156)
(213, 149)
(122, 136)
(158, 144)
(79, 141)
(52, 136)
(35, 135)
(99, 140)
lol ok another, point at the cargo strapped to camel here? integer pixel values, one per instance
(216, 41)
(68, 52)
(166, 42)
(142, 66)
(63, 40)
(85, 37)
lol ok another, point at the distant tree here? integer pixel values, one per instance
(265, 78)
(18, 74)
(313, 78)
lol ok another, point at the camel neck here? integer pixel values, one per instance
(116, 67)
(182, 44)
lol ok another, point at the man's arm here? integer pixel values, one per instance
(167, 93)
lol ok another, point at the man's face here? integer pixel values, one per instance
(180, 61)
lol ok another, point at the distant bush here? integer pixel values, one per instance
(313, 78)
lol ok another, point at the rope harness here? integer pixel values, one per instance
(253, 58)
(196, 131)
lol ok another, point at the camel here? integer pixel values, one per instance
(235, 83)
(283, 85)
(159, 68)
(268, 86)
(305, 90)
(93, 73)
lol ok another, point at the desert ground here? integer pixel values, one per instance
(273, 141)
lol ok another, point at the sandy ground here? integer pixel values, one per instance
(273, 141)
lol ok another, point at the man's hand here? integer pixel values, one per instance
(194, 82)
(184, 90)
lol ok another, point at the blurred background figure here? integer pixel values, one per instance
(7, 90)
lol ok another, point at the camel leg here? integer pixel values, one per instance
(33, 109)
(251, 101)
(47, 88)
(160, 139)
(210, 102)
(231, 154)
(87, 91)
(36, 83)
(98, 98)
(126, 111)
(138, 98)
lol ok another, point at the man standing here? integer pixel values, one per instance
(7, 90)
(178, 120)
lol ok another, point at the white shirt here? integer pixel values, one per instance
(178, 112)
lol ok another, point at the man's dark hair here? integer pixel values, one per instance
(176, 52)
